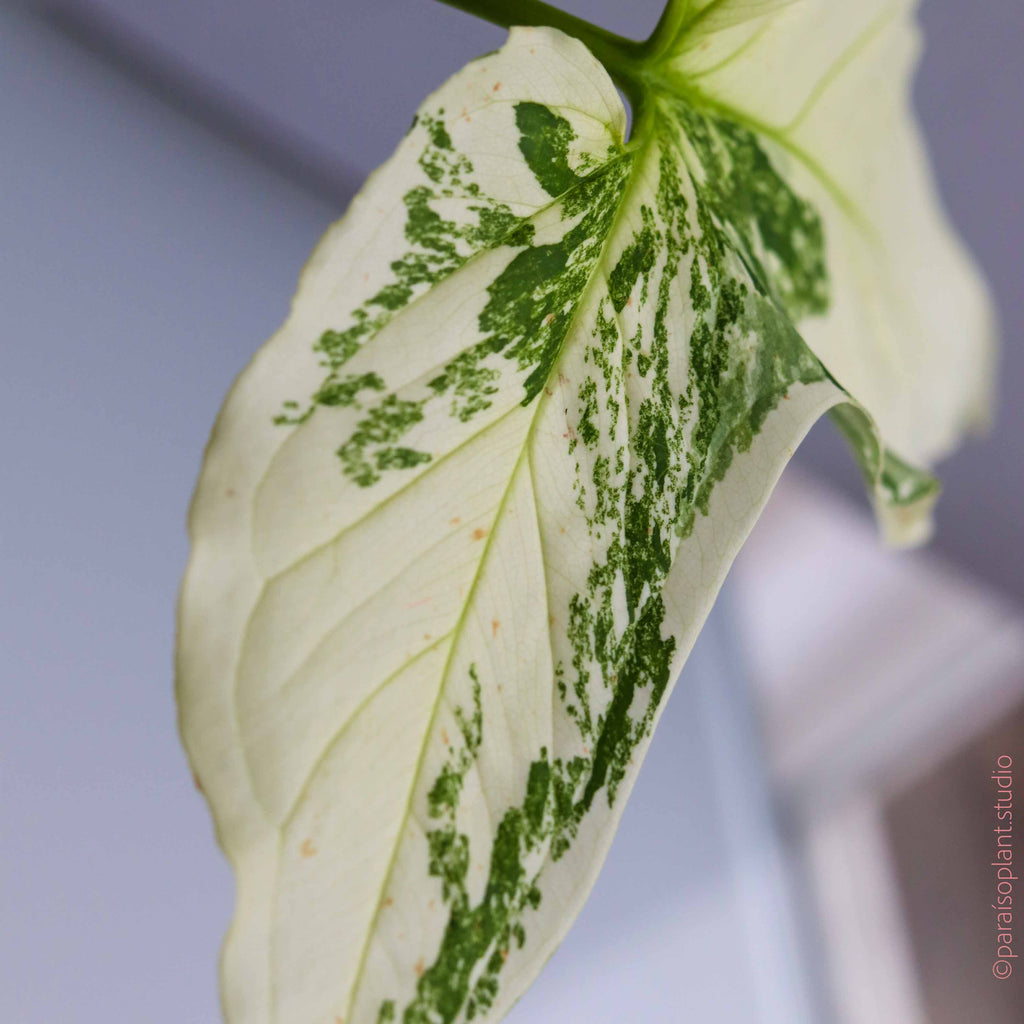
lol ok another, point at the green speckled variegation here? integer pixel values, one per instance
(462, 518)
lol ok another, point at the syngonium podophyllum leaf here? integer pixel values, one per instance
(461, 519)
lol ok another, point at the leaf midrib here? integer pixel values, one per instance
(637, 154)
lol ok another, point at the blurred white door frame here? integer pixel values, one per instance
(873, 667)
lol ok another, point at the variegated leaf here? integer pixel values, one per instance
(462, 518)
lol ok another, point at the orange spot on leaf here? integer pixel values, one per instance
(419, 968)
(495, 624)
(479, 533)
(307, 849)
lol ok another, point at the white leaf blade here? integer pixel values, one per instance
(910, 330)
(433, 611)
(224, 584)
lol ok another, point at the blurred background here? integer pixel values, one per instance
(811, 837)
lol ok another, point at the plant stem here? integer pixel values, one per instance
(673, 21)
(622, 57)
